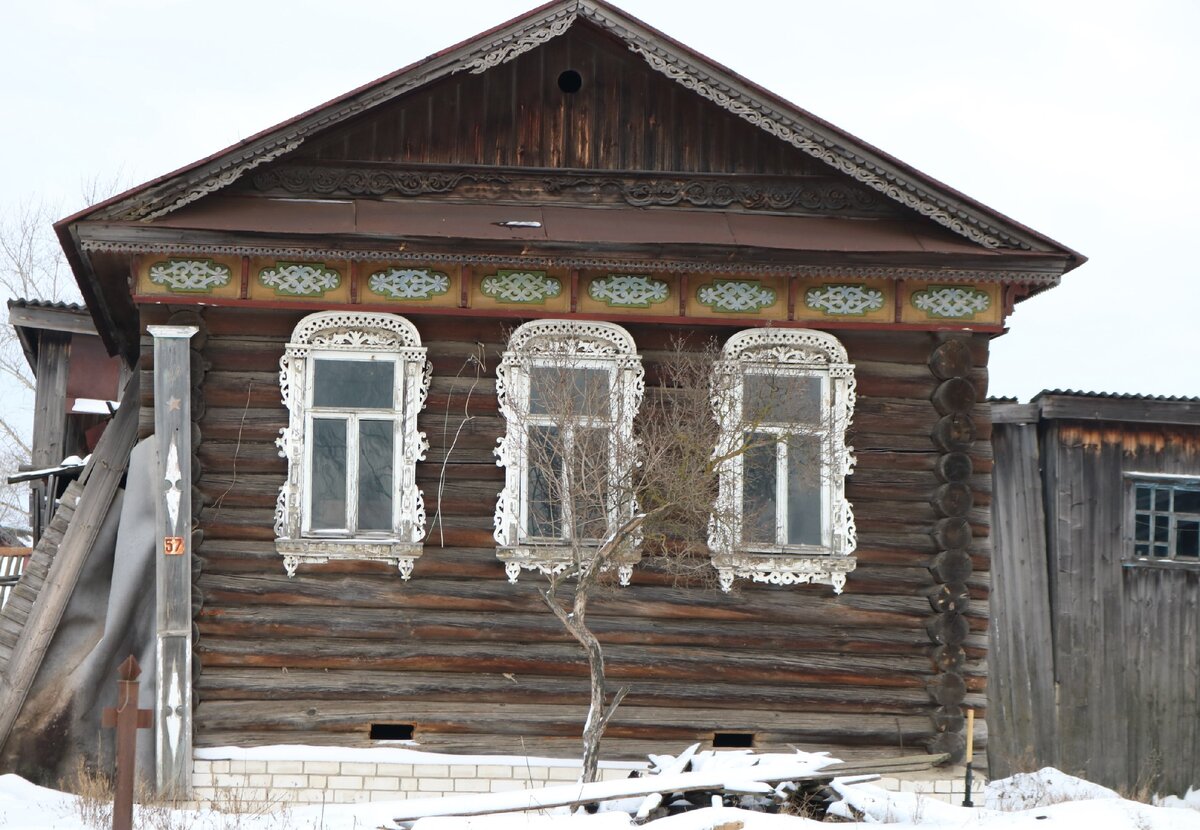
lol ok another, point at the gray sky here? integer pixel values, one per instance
(1079, 119)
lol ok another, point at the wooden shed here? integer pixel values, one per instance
(1095, 645)
(572, 179)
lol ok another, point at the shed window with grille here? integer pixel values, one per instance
(1166, 520)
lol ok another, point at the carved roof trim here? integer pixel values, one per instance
(663, 265)
(704, 77)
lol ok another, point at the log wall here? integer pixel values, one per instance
(478, 665)
(1096, 667)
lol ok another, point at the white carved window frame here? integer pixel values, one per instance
(555, 343)
(345, 335)
(789, 352)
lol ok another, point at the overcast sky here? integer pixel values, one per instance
(1079, 119)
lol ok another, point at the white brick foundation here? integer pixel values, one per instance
(225, 782)
(355, 775)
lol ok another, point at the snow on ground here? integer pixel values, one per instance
(1039, 801)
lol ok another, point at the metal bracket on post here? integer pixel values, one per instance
(173, 615)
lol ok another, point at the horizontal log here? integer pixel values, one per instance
(399, 625)
(622, 662)
(953, 396)
(747, 601)
(951, 359)
(218, 683)
(564, 720)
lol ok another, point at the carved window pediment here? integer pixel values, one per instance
(353, 383)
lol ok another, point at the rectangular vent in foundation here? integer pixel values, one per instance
(733, 739)
(391, 731)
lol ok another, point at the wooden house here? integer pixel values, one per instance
(570, 180)
(1094, 638)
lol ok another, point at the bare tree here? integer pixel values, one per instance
(598, 496)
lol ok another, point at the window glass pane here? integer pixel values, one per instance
(589, 483)
(1187, 538)
(804, 490)
(1141, 528)
(545, 470)
(1162, 528)
(1143, 496)
(570, 391)
(1141, 550)
(758, 489)
(1187, 501)
(359, 384)
(1161, 550)
(779, 398)
(1162, 498)
(328, 474)
(375, 474)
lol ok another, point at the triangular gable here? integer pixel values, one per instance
(702, 77)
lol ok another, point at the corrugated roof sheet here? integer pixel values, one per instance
(1121, 396)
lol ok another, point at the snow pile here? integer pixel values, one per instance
(1190, 801)
(1028, 790)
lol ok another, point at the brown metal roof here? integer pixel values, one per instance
(567, 225)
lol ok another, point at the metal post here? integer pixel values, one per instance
(173, 441)
(127, 719)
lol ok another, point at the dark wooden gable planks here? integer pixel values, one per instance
(626, 116)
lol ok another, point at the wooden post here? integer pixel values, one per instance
(967, 802)
(127, 719)
(173, 615)
(49, 423)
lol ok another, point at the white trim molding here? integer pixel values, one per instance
(345, 335)
(565, 344)
(784, 354)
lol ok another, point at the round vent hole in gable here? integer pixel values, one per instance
(570, 81)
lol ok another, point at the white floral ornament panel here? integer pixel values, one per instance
(951, 302)
(628, 290)
(736, 295)
(300, 279)
(190, 276)
(524, 287)
(409, 283)
(844, 300)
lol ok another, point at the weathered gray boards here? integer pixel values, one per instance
(173, 441)
(1095, 649)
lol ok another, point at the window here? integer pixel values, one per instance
(783, 399)
(1166, 520)
(568, 391)
(353, 384)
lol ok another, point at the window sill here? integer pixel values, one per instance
(783, 568)
(551, 559)
(402, 555)
(1161, 565)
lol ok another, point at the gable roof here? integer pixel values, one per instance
(702, 76)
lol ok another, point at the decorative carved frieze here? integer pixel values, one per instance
(628, 290)
(951, 302)
(321, 180)
(300, 279)
(190, 276)
(818, 196)
(736, 295)
(409, 283)
(808, 195)
(521, 287)
(844, 300)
